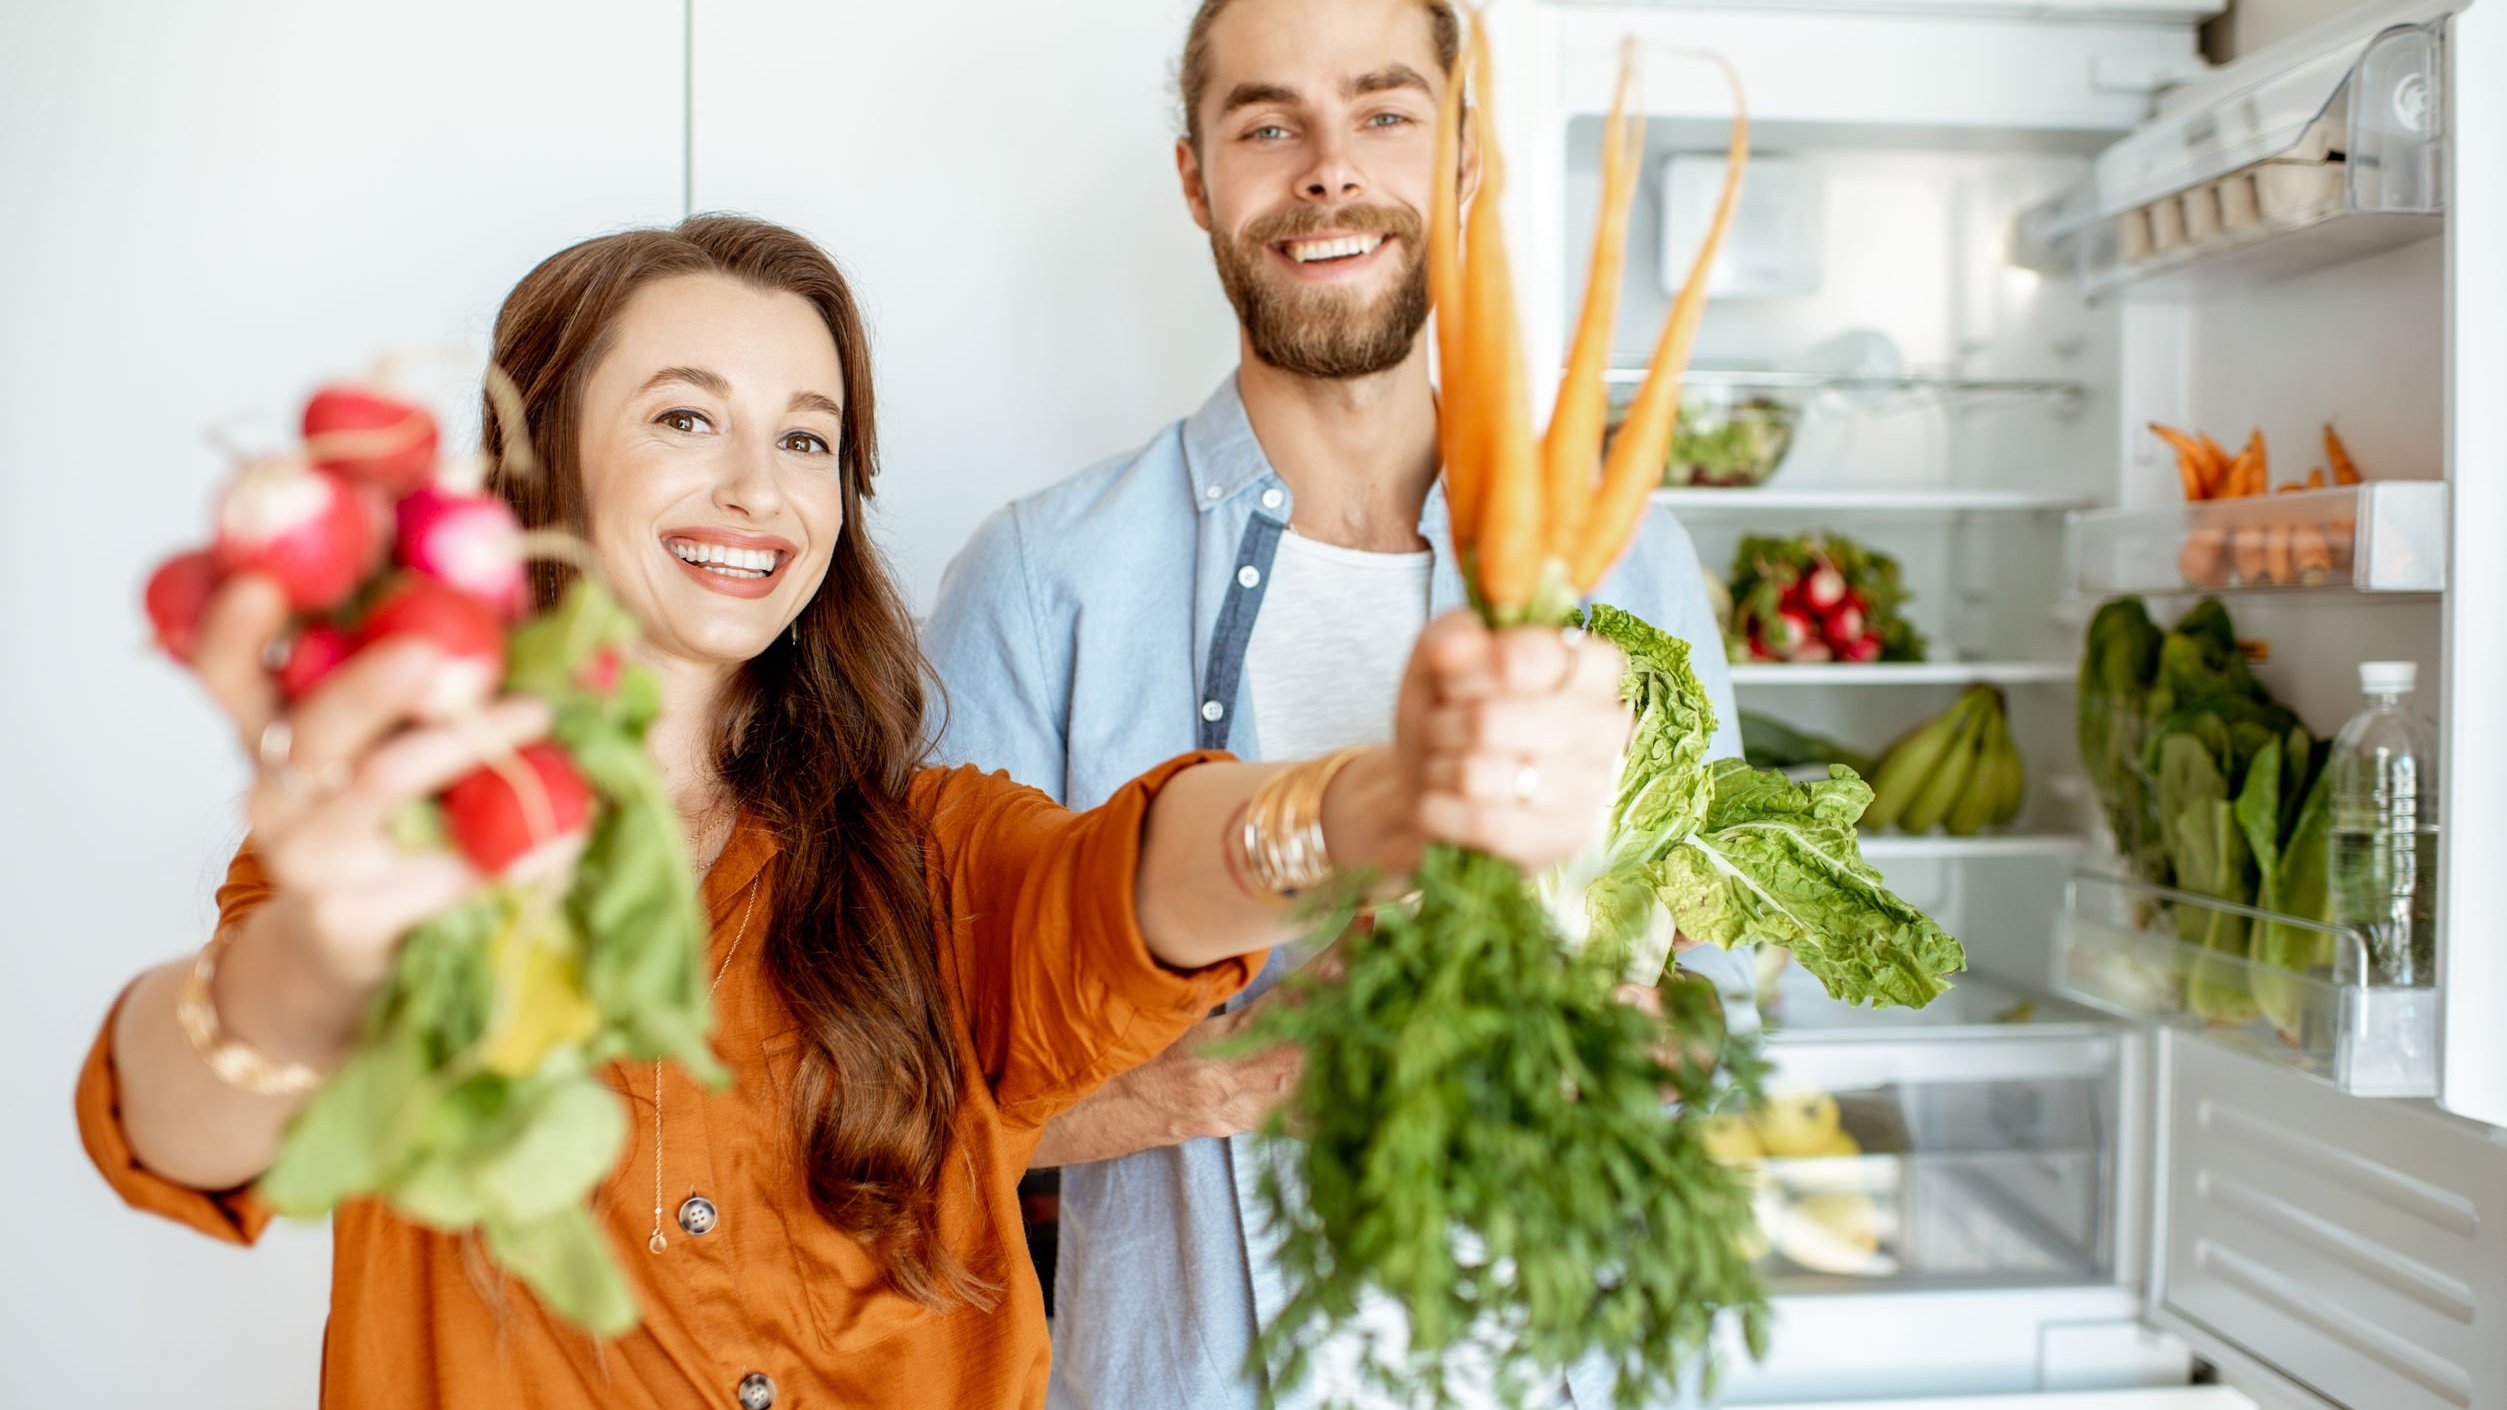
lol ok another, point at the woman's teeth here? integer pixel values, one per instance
(724, 559)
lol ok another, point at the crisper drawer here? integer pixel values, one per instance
(2355, 1246)
(1971, 1144)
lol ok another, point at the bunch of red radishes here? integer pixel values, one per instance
(1819, 597)
(1818, 618)
(374, 538)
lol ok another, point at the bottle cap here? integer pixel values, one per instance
(2388, 677)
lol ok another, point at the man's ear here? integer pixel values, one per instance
(1469, 152)
(1188, 171)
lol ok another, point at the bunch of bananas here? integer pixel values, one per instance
(1958, 771)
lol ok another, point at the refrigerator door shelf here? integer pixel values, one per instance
(2386, 536)
(2122, 948)
(2161, 1398)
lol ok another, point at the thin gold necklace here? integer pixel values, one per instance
(657, 1243)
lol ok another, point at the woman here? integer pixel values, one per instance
(914, 969)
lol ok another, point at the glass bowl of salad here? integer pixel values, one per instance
(1729, 440)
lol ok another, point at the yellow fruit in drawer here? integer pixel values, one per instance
(1834, 1232)
(1729, 1140)
(1840, 1144)
(1797, 1123)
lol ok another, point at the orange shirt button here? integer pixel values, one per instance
(697, 1215)
(757, 1391)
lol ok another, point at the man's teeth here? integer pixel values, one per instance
(726, 560)
(1308, 251)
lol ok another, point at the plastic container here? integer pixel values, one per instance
(2384, 843)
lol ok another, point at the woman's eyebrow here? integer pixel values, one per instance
(698, 377)
(816, 401)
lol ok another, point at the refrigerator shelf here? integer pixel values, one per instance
(1891, 846)
(1875, 394)
(2265, 169)
(2379, 537)
(1903, 672)
(1694, 500)
(2119, 950)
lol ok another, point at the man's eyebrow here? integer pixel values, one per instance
(1246, 95)
(816, 401)
(1385, 80)
(697, 377)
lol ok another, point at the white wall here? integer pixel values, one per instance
(999, 182)
(210, 207)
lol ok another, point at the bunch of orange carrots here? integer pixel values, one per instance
(2304, 548)
(1539, 519)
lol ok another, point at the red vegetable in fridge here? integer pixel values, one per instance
(1844, 626)
(1824, 587)
(306, 530)
(317, 651)
(371, 437)
(465, 630)
(176, 596)
(522, 816)
(1867, 649)
(1790, 632)
(469, 542)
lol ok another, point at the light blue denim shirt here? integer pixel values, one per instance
(1090, 631)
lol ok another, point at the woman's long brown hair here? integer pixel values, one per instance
(822, 734)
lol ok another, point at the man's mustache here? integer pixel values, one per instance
(1397, 221)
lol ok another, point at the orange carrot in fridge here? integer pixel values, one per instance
(1445, 288)
(2345, 470)
(1635, 464)
(1572, 450)
(1509, 537)
(2310, 555)
(2192, 461)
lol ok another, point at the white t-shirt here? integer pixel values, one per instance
(1330, 644)
(1325, 666)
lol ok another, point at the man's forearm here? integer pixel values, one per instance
(1176, 1096)
(1126, 1115)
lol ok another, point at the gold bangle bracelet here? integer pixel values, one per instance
(1283, 833)
(237, 1063)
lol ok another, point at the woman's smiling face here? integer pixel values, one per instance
(710, 449)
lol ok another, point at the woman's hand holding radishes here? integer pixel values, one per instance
(481, 893)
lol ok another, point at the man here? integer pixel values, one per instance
(1250, 580)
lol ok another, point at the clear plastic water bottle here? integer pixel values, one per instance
(2384, 803)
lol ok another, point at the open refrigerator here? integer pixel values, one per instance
(1995, 239)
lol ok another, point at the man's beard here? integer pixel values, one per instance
(1325, 332)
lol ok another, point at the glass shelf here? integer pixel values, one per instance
(2257, 173)
(2119, 949)
(1878, 393)
(1698, 499)
(1890, 846)
(1903, 672)
(2383, 536)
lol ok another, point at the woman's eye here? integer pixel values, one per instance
(683, 420)
(806, 442)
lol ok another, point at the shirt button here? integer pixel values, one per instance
(1248, 575)
(1213, 711)
(1211, 493)
(1271, 499)
(697, 1215)
(757, 1391)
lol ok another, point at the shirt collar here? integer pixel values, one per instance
(744, 856)
(1221, 455)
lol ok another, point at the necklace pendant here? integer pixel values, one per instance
(657, 1243)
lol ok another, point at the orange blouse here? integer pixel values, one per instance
(1054, 990)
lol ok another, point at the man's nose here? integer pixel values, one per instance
(1333, 176)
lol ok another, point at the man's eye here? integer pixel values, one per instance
(1268, 132)
(1387, 120)
(806, 442)
(683, 420)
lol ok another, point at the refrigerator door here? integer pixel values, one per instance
(2472, 970)
(2357, 1248)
